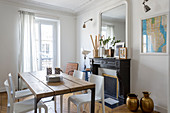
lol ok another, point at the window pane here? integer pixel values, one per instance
(46, 46)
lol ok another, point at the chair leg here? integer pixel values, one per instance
(39, 110)
(78, 108)
(46, 109)
(83, 107)
(103, 106)
(8, 109)
(68, 105)
(55, 104)
(90, 107)
(61, 103)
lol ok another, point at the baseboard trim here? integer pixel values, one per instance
(161, 109)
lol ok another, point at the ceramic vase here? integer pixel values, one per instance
(132, 102)
(146, 103)
(101, 51)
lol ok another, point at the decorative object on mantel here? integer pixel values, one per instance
(95, 46)
(101, 48)
(132, 102)
(113, 42)
(84, 25)
(123, 53)
(154, 35)
(146, 7)
(104, 52)
(117, 46)
(85, 53)
(146, 103)
(104, 41)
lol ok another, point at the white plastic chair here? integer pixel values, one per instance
(18, 94)
(77, 74)
(86, 98)
(23, 106)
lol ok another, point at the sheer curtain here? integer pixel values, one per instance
(110, 32)
(27, 52)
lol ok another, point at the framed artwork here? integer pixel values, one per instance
(154, 35)
(117, 46)
(123, 53)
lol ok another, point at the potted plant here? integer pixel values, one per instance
(103, 43)
(113, 42)
(111, 49)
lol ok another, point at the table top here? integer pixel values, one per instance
(38, 85)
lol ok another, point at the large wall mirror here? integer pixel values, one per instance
(114, 23)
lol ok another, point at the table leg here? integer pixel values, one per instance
(93, 100)
(86, 76)
(36, 100)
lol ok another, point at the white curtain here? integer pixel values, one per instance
(27, 54)
(110, 32)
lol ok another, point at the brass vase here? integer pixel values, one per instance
(146, 103)
(132, 102)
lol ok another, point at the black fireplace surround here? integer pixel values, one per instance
(122, 67)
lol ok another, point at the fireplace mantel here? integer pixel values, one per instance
(122, 67)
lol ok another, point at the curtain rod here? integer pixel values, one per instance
(41, 15)
(21, 11)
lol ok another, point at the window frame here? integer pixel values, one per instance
(56, 39)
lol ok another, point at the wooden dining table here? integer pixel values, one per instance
(36, 82)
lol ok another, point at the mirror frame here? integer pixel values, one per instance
(127, 30)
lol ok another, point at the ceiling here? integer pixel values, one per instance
(69, 5)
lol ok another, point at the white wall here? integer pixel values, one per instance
(9, 23)
(8, 42)
(149, 72)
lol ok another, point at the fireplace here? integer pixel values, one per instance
(111, 86)
(116, 74)
(111, 83)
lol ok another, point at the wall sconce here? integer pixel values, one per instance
(146, 7)
(84, 25)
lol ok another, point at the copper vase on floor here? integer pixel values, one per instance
(132, 102)
(146, 103)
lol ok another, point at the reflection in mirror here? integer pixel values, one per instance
(114, 24)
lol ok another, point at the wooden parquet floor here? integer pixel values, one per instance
(50, 105)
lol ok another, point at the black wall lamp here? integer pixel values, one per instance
(146, 7)
(84, 25)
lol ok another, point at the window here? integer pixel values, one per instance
(46, 40)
